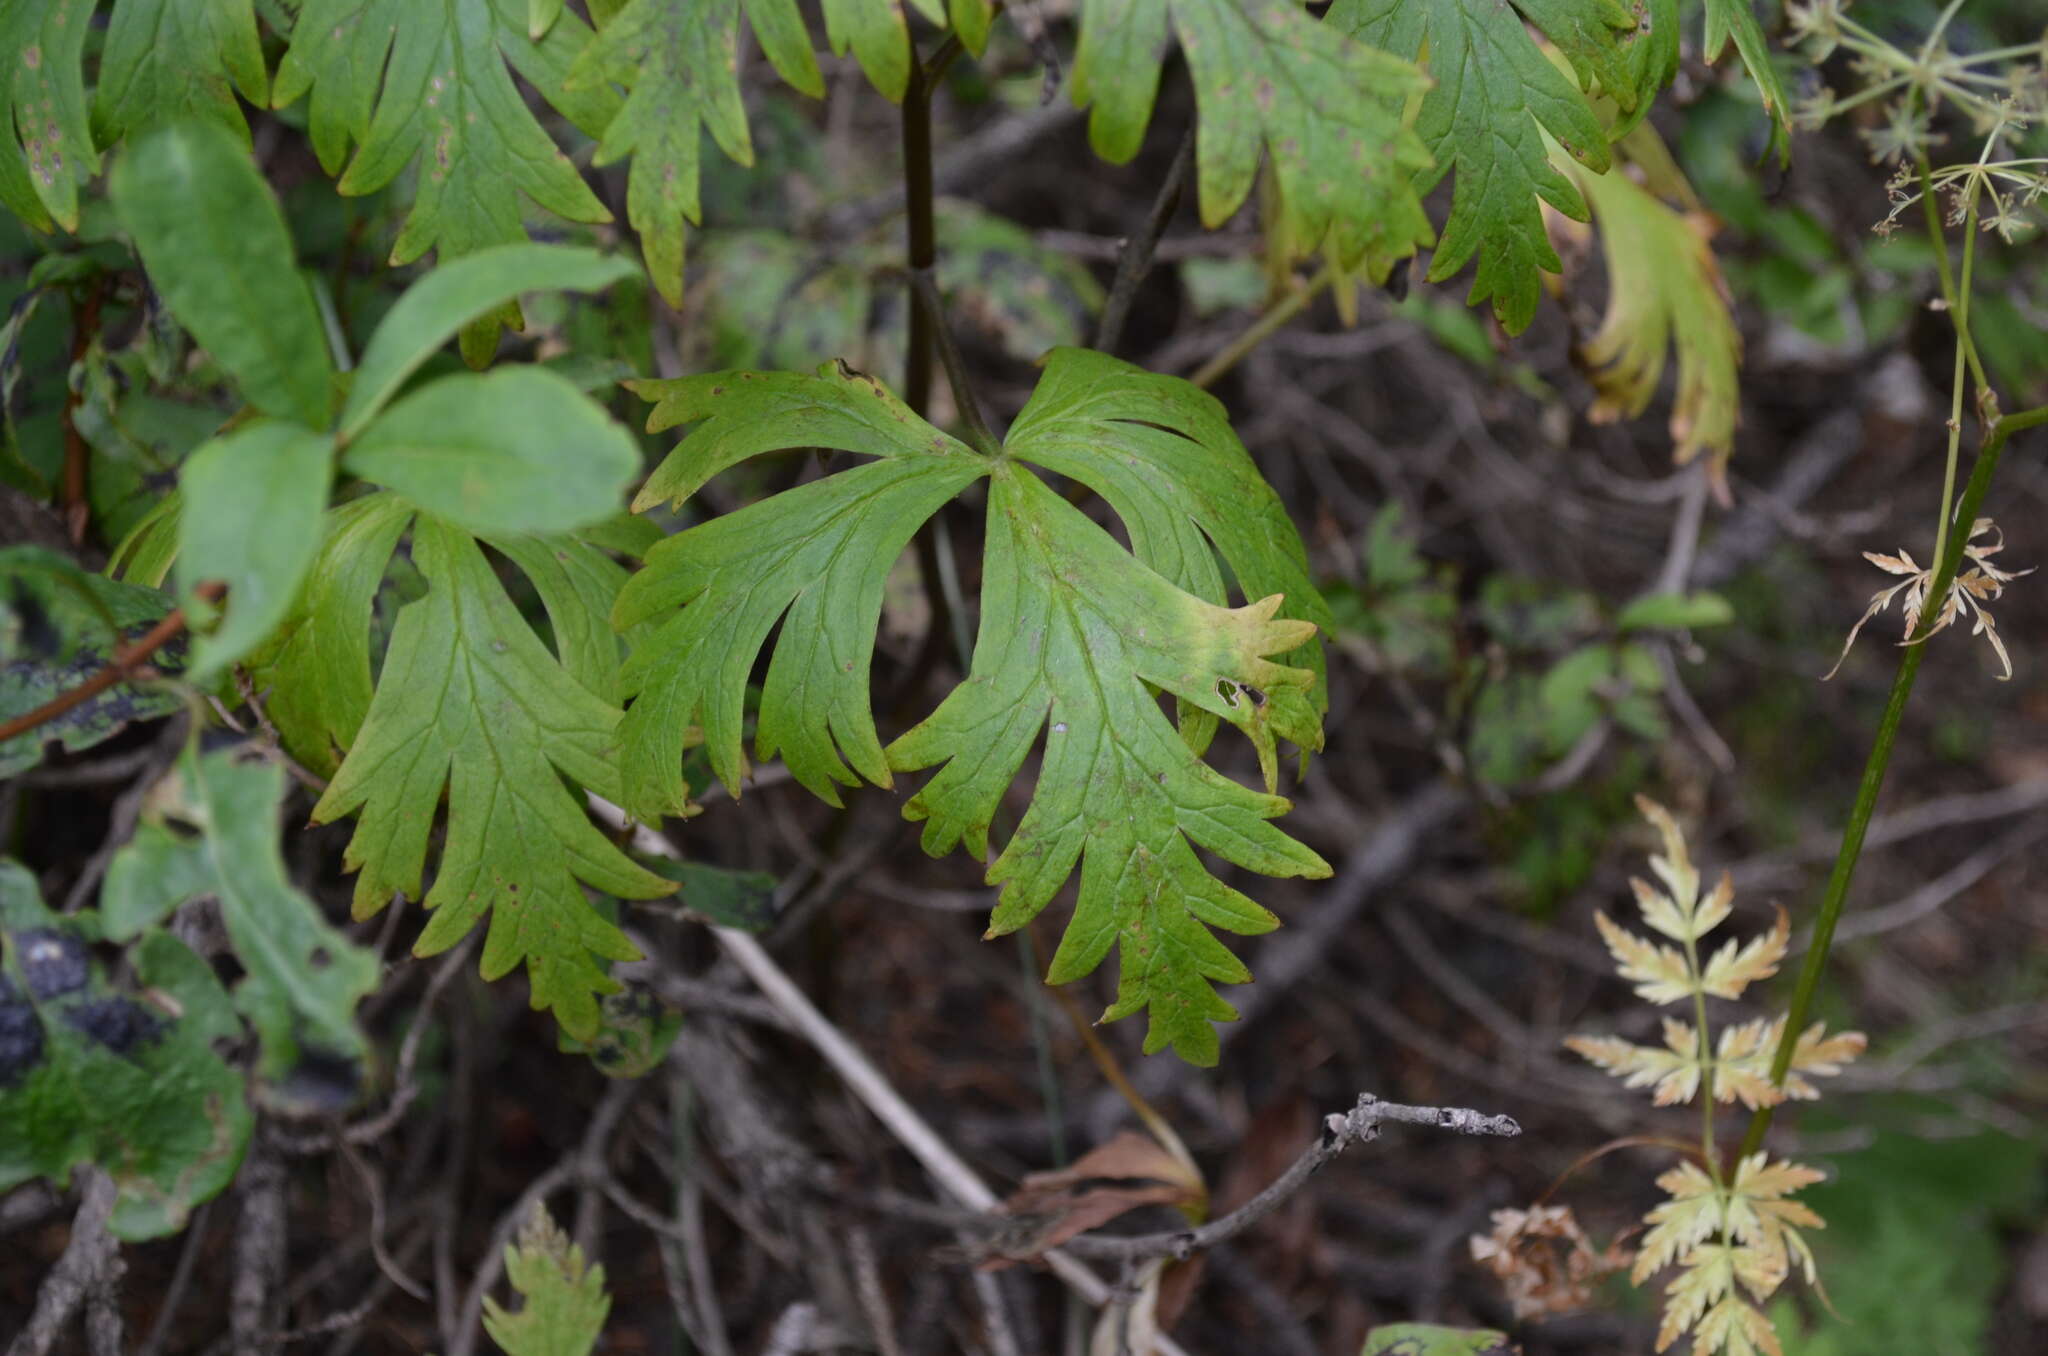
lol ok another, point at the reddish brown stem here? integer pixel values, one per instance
(77, 456)
(124, 663)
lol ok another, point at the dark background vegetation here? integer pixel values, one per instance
(1455, 946)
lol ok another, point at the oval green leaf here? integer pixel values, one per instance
(438, 305)
(1675, 611)
(252, 506)
(216, 248)
(517, 450)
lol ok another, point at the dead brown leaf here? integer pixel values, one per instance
(1544, 1260)
(1112, 1179)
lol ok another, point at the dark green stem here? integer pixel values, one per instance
(918, 196)
(1881, 756)
(928, 334)
(1134, 260)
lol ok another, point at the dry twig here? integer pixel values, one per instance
(89, 1269)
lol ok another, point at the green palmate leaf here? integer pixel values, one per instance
(168, 60)
(1432, 1339)
(541, 16)
(60, 625)
(216, 247)
(1072, 633)
(302, 978)
(879, 37)
(1735, 18)
(1077, 640)
(46, 151)
(515, 450)
(253, 501)
(316, 666)
(1495, 93)
(425, 81)
(578, 583)
(1163, 455)
(678, 60)
(566, 1303)
(1326, 108)
(453, 295)
(126, 1079)
(471, 701)
(819, 554)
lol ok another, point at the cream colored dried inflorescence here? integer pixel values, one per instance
(1973, 587)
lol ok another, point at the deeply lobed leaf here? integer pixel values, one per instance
(1269, 78)
(424, 82)
(1664, 292)
(678, 60)
(316, 664)
(470, 701)
(1072, 632)
(1163, 455)
(1077, 642)
(565, 1300)
(1494, 94)
(815, 559)
(167, 60)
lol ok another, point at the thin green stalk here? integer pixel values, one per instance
(1961, 313)
(923, 247)
(1954, 398)
(1931, 210)
(1880, 759)
(1262, 329)
(928, 332)
(929, 336)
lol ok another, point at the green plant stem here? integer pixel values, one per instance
(928, 332)
(925, 294)
(1880, 758)
(1134, 260)
(923, 238)
(1262, 329)
(1931, 210)
(124, 663)
(1961, 312)
(918, 199)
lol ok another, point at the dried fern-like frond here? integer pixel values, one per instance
(1733, 1234)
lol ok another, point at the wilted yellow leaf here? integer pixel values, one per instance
(1664, 290)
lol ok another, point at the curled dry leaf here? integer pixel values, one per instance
(1545, 1263)
(1113, 1179)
